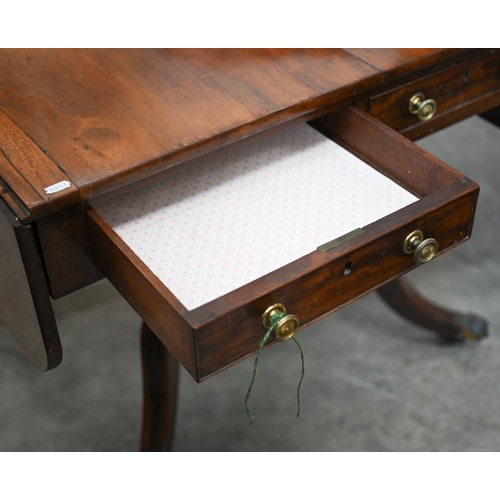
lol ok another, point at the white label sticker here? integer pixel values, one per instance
(57, 187)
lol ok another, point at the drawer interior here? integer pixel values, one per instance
(209, 230)
(204, 252)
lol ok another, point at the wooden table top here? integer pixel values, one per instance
(103, 119)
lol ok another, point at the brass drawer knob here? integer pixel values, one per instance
(424, 108)
(423, 250)
(284, 325)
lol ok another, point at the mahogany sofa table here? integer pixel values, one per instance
(80, 127)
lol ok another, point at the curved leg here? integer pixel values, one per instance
(160, 381)
(451, 326)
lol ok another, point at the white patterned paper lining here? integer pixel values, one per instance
(213, 228)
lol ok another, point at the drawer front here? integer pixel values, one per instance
(222, 332)
(450, 89)
(373, 259)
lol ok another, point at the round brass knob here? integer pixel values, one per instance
(424, 108)
(423, 250)
(284, 325)
(426, 251)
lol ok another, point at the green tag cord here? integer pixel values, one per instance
(276, 317)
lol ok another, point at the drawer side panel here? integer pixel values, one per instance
(142, 290)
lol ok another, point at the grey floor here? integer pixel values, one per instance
(374, 382)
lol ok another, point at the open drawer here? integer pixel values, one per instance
(312, 218)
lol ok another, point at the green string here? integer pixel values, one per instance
(274, 319)
(302, 376)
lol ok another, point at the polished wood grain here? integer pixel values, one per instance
(416, 169)
(24, 164)
(25, 307)
(66, 255)
(108, 117)
(449, 88)
(398, 61)
(160, 382)
(222, 332)
(112, 120)
(17, 193)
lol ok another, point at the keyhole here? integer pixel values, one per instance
(348, 268)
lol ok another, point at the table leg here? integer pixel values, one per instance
(160, 381)
(449, 325)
